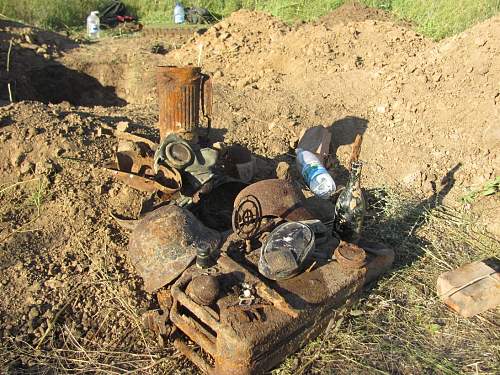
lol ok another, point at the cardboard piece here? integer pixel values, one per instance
(317, 140)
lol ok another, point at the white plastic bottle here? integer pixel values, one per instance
(93, 25)
(179, 13)
(315, 174)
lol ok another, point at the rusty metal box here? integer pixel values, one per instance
(240, 339)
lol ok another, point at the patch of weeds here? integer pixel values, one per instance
(38, 195)
(21, 205)
(398, 324)
(489, 188)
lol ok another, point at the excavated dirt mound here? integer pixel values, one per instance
(34, 74)
(426, 109)
(428, 112)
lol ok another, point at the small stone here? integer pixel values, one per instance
(243, 82)
(224, 36)
(122, 126)
(428, 187)
(381, 108)
(437, 77)
(114, 192)
(53, 283)
(483, 69)
(283, 171)
(45, 167)
(480, 41)
(17, 158)
(26, 167)
(30, 133)
(218, 74)
(58, 151)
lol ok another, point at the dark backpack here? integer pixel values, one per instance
(115, 13)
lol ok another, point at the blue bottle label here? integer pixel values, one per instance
(312, 170)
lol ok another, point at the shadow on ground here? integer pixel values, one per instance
(397, 226)
(29, 71)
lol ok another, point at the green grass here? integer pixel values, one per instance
(53, 14)
(441, 18)
(434, 18)
(489, 188)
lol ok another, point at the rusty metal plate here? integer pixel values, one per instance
(137, 172)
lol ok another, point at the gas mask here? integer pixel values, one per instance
(195, 162)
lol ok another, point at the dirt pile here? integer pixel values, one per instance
(415, 100)
(356, 12)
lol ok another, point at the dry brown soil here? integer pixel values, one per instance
(429, 113)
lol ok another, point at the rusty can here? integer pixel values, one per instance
(182, 91)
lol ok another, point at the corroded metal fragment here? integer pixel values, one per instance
(165, 242)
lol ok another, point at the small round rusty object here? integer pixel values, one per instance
(203, 289)
(350, 255)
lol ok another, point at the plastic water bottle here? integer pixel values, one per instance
(179, 14)
(93, 25)
(315, 175)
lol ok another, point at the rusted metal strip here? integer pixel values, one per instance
(206, 314)
(193, 330)
(193, 357)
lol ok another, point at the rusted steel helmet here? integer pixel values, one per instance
(267, 198)
(165, 242)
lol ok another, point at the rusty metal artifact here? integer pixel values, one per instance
(137, 172)
(267, 198)
(284, 316)
(182, 91)
(165, 242)
(350, 255)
